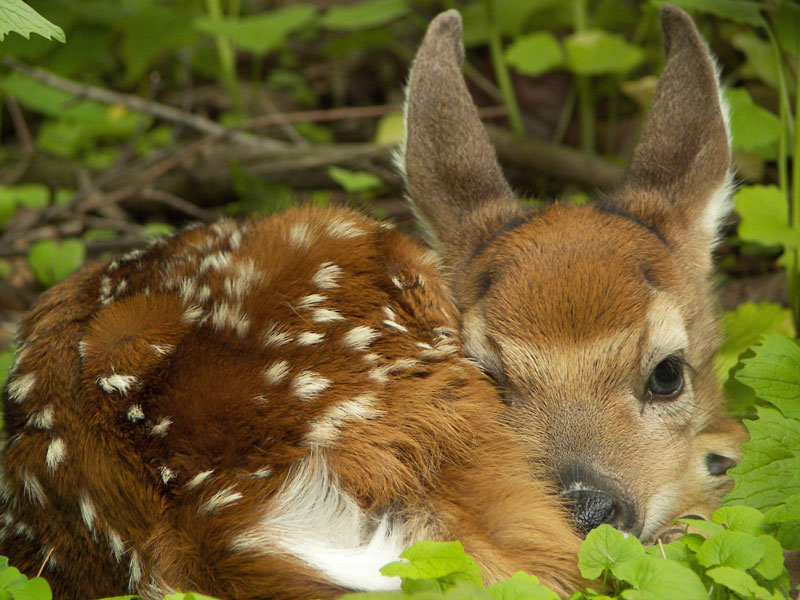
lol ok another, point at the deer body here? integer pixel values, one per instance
(276, 408)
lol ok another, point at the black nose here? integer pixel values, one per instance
(591, 508)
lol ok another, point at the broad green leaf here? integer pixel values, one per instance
(740, 518)
(731, 549)
(787, 25)
(261, 33)
(789, 510)
(443, 561)
(737, 581)
(771, 565)
(774, 373)
(511, 17)
(391, 129)
(676, 551)
(763, 212)
(354, 181)
(521, 587)
(27, 195)
(535, 53)
(52, 261)
(744, 327)
(760, 57)
(657, 579)
(747, 12)
(753, 128)
(708, 528)
(364, 15)
(769, 472)
(32, 589)
(17, 16)
(596, 52)
(605, 547)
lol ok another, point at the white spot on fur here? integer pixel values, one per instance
(42, 419)
(343, 228)
(83, 349)
(135, 571)
(275, 336)
(244, 279)
(222, 498)
(162, 349)
(33, 489)
(135, 413)
(380, 374)
(308, 385)
(327, 275)
(160, 429)
(300, 235)
(325, 429)
(218, 260)
(309, 338)
(192, 314)
(326, 315)
(167, 474)
(263, 472)
(396, 326)
(88, 512)
(398, 283)
(56, 454)
(198, 479)
(115, 543)
(20, 387)
(359, 338)
(277, 372)
(313, 519)
(311, 301)
(226, 315)
(117, 383)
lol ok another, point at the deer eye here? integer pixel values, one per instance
(666, 382)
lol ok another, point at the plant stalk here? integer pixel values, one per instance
(501, 71)
(227, 57)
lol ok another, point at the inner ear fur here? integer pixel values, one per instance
(679, 179)
(456, 185)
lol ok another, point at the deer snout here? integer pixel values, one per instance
(593, 501)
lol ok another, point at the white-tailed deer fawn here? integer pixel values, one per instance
(276, 408)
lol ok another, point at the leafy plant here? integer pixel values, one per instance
(17, 16)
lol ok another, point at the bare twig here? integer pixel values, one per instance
(23, 133)
(178, 203)
(156, 109)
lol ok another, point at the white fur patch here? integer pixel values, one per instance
(160, 429)
(162, 349)
(216, 261)
(222, 498)
(666, 332)
(312, 519)
(275, 336)
(226, 315)
(56, 454)
(134, 571)
(167, 474)
(343, 228)
(263, 472)
(20, 387)
(198, 479)
(326, 315)
(311, 301)
(192, 314)
(33, 489)
(309, 338)
(135, 413)
(325, 429)
(359, 338)
(117, 383)
(115, 543)
(88, 512)
(326, 276)
(308, 385)
(42, 419)
(277, 372)
(396, 326)
(300, 235)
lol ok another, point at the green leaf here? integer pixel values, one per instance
(789, 510)
(261, 33)
(740, 518)
(445, 562)
(511, 17)
(364, 15)
(769, 472)
(17, 16)
(391, 129)
(771, 566)
(763, 210)
(737, 581)
(596, 52)
(521, 586)
(28, 195)
(745, 326)
(657, 579)
(731, 549)
(708, 528)
(760, 57)
(53, 261)
(774, 373)
(604, 547)
(535, 53)
(740, 11)
(354, 182)
(156, 230)
(787, 25)
(753, 128)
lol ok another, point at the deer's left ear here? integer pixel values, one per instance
(679, 180)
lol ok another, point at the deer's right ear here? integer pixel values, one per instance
(451, 170)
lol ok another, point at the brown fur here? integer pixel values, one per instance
(171, 409)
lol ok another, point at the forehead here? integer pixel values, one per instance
(574, 274)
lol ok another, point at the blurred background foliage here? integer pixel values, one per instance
(155, 113)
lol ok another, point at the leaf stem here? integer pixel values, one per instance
(501, 70)
(227, 57)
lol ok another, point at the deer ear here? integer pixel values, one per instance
(679, 179)
(451, 170)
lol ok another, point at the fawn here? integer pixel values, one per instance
(276, 408)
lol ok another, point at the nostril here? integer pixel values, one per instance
(718, 464)
(591, 508)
